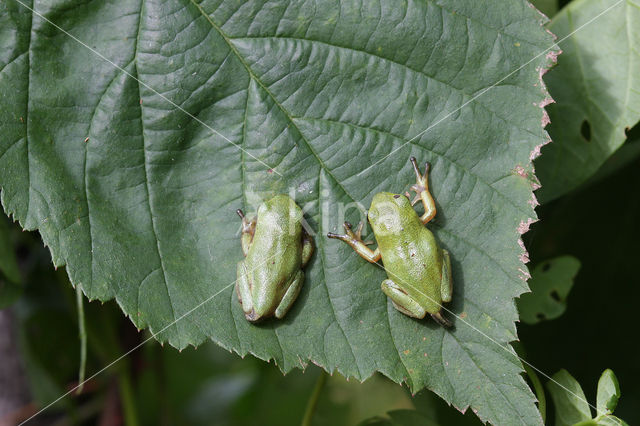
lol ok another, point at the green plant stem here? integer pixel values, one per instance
(82, 332)
(313, 400)
(539, 390)
(126, 396)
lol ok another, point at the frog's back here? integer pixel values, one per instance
(416, 260)
(275, 253)
(278, 227)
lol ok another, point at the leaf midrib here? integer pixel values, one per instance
(26, 113)
(235, 51)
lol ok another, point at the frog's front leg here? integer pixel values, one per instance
(421, 189)
(402, 301)
(290, 295)
(248, 229)
(307, 247)
(243, 289)
(355, 241)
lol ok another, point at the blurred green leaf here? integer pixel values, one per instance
(625, 155)
(357, 401)
(49, 346)
(596, 88)
(137, 197)
(550, 284)
(548, 7)
(402, 418)
(377, 421)
(610, 421)
(608, 392)
(438, 411)
(569, 400)
(414, 417)
(10, 281)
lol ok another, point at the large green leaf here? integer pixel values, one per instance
(596, 89)
(137, 196)
(548, 7)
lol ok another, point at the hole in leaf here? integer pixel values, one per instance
(585, 130)
(546, 267)
(555, 296)
(540, 316)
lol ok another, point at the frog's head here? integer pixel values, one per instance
(280, 211)
(389, 213)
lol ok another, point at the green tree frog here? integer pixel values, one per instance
(276, 248)
(418, 270)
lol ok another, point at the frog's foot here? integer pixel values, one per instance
(354, 239)
(440, 319)
(422, 181)
(248, 226)
(415, 199)
(421, 188)
(349, 235)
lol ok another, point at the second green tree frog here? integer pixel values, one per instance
(276, 248)
(418, 270)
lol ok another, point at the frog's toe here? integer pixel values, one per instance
(349, 235)
(440, 319)
(421, 179)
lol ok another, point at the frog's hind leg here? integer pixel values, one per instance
(446, 289)
(290, 295)
(307, 247)
(402, 301)
(446, 285)
(243, 290)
